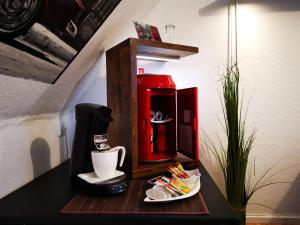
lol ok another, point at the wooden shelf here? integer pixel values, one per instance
(121, 65)
(161, 167)
(162, 49)
(158, 49)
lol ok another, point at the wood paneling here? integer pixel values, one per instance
(119, 89)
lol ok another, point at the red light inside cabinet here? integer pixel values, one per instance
(161, 111)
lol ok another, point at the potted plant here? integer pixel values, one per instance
(233, 157)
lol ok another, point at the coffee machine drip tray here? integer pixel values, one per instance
(109, 187)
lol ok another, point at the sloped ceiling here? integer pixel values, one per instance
(20, 97)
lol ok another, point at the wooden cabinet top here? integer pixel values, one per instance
(156, 48)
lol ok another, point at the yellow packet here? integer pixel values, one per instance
(179, 185)
(183, 172)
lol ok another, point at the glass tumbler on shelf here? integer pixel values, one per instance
(170, 33)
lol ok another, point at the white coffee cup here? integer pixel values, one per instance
(105, 162)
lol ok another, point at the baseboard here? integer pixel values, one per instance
(276, 219)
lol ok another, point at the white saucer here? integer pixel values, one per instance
(92, 177)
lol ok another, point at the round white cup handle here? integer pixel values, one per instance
(123, 154)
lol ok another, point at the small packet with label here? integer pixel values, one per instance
(180, 186)
(160, 180)
(165, 182)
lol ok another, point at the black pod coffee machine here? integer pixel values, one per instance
(91, 119)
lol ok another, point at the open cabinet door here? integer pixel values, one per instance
(187, 122)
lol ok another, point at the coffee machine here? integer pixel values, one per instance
(91, 120)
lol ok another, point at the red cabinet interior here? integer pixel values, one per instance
(159, 139)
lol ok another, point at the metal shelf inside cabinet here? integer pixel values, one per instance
(162, 121)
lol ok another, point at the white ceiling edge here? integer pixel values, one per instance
(20, 97)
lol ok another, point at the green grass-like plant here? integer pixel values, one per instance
(234, 158)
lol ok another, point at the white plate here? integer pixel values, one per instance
(92, 177)
(194, 188)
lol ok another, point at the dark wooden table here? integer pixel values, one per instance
(40, 201)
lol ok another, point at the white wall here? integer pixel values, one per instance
(270, 62)
(29, 142)
(92, 88)
(268, 50)
(30, 125)
(29, 146)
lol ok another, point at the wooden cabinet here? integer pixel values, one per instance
(121, 61)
